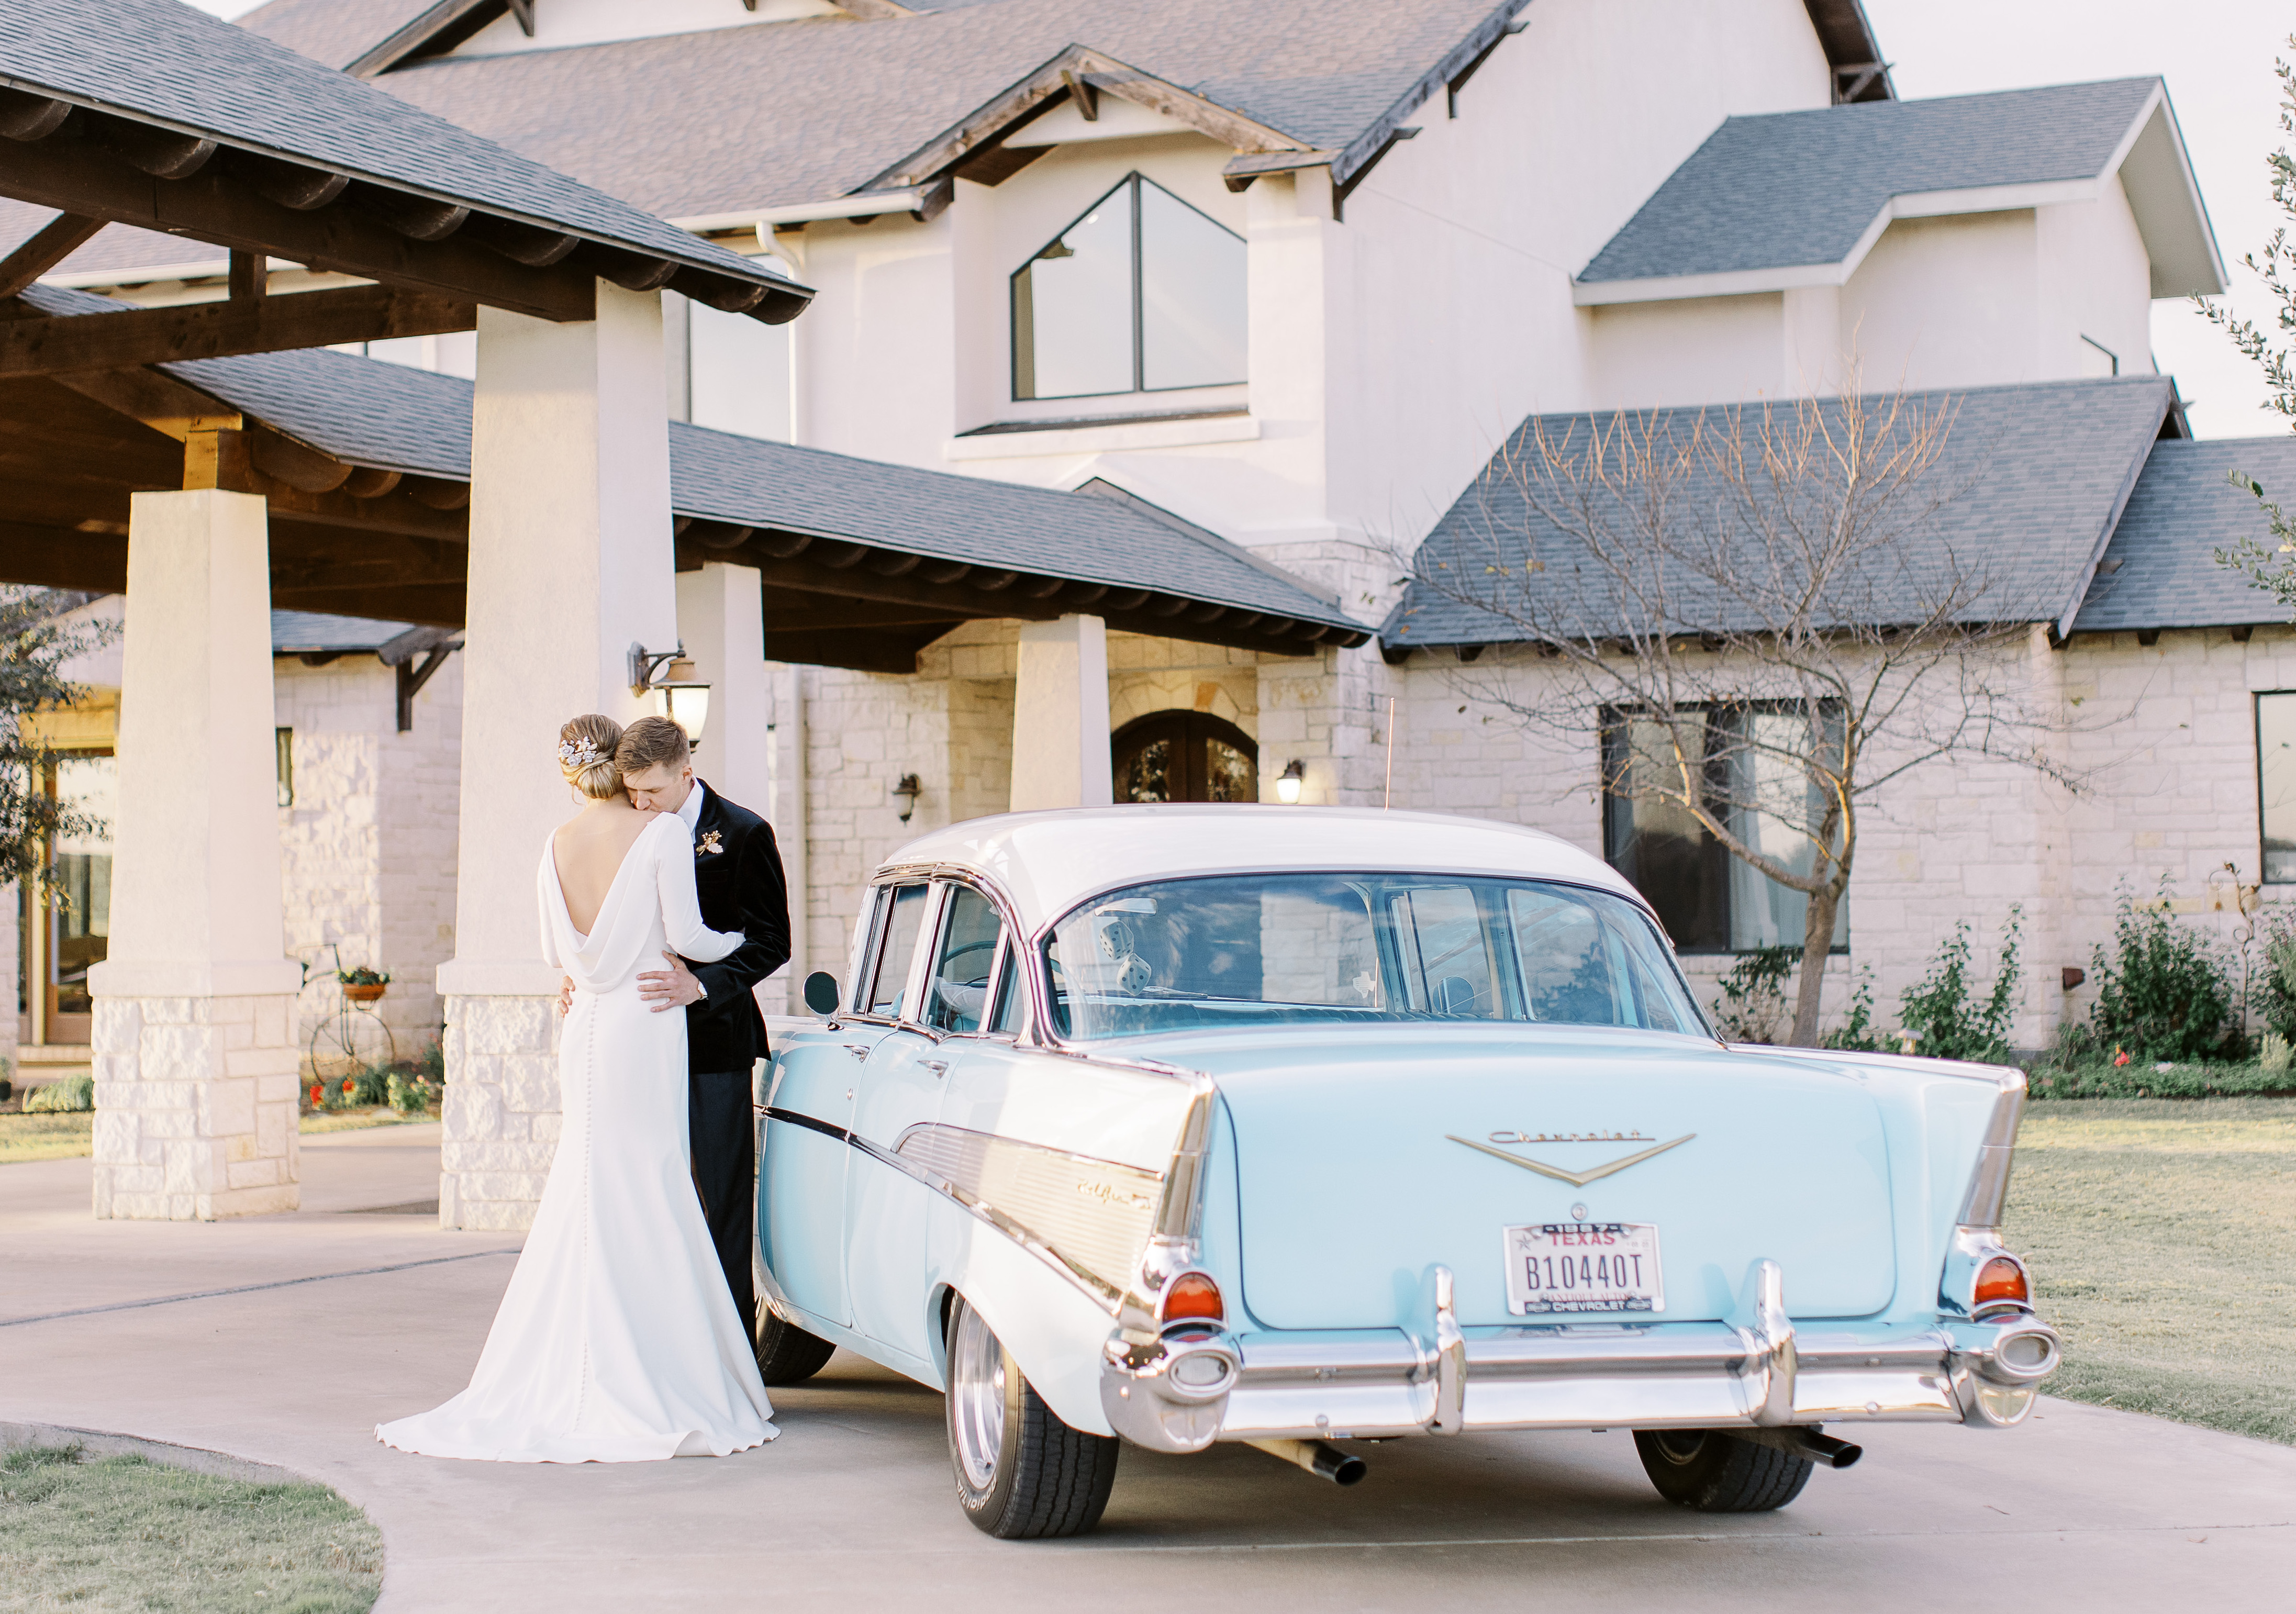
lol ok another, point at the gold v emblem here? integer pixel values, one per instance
(1577, 1179)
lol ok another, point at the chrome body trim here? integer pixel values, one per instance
(1168, 1394)
(1382, 1382)
(1450, 1362)
(1772, 1362)
(1989, 1177)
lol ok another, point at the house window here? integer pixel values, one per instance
(1710, 900)
(2275, 781)
(284, 739)
(1143, 293)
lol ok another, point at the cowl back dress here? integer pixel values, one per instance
(617, 1341)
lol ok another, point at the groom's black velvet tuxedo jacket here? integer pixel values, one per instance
(737, 873)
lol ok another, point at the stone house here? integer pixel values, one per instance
(1276, 283)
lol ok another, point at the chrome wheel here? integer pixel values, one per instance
(976, 1388)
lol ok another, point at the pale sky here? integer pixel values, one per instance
(2217, 56)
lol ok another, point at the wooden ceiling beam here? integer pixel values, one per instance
(222, 204)
(426, 605)
(57, 557)
(64, 343)
(50, 245)
(164, 404)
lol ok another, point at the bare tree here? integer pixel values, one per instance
(2272, 569)
(1758, 615)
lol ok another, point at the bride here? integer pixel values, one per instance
(617, 1341)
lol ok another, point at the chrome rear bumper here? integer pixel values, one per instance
(1381, 1383)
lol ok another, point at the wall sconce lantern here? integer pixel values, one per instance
(680, 697)
(906, 791)
(1288, 782)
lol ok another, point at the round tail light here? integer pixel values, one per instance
(1193, 1294)
(2001, 1279)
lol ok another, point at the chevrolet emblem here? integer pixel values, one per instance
(1577, 1179)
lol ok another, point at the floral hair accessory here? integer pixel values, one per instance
(580, 753)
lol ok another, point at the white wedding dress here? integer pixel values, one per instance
(617, 1341)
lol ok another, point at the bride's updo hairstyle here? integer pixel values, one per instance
(585, 756)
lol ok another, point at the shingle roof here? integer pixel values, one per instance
(395, 418)
(308, 631)
(2040, 471)
(2161, 571)
(164, 61)
(1790, 189)
(691, 125)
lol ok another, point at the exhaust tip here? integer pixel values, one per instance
(1319, 1458)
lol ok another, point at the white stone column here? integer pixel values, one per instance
(193, 1046)
(721, 618)
(571, 561)
(1060, 716)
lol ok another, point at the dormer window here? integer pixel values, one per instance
(1144, 293)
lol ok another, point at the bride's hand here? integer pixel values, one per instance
(565, 995)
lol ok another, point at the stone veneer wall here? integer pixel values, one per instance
(368, 847)
(195, 1102)
(502, 1110)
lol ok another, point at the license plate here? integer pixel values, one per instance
(1570, 1267)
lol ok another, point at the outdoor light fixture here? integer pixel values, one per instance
(681, 697)
(908, 790)
(1288, 782)
(684, 699)
(645, 663)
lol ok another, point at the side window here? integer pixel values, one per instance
(1447, 962)
(1011, 998)
(897, 945)
(956, 992)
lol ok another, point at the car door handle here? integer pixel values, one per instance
(939, 1066)
(857, 1050)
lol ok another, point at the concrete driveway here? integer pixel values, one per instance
(284, 1339)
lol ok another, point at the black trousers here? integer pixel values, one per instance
(725, 1172)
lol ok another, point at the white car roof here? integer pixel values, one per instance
(1048, 862)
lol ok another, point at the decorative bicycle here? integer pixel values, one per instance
(353, 1040)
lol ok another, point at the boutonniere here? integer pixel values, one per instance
(707, 844)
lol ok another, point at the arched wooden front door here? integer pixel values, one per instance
(1182, 755)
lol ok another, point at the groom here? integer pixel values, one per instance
(737, 871)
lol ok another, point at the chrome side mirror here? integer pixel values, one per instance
(821, 992)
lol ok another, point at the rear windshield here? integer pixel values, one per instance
(1184, 955)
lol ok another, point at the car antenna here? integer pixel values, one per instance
(1387, 796)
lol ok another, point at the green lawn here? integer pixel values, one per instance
(57, 1137)
(2163, 1240)
(121, 1534)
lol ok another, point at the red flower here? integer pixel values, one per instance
(2119, 1055)
(318, 1094)
(350, 1085)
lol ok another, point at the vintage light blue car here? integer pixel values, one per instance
(1299, 1127)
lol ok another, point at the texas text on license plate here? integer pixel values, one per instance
(1564, 1266)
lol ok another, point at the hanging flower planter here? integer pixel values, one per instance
(361, 986)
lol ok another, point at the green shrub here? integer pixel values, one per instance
(73, 1094)
(2140, 1080)
(1753, 1007)
(1856, 1034)
(1951, 1023)
(2166, 993)
(2275, 992)
(410, 1094)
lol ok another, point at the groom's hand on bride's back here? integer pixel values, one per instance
(671, 988)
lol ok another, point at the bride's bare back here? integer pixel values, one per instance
(588, 849)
